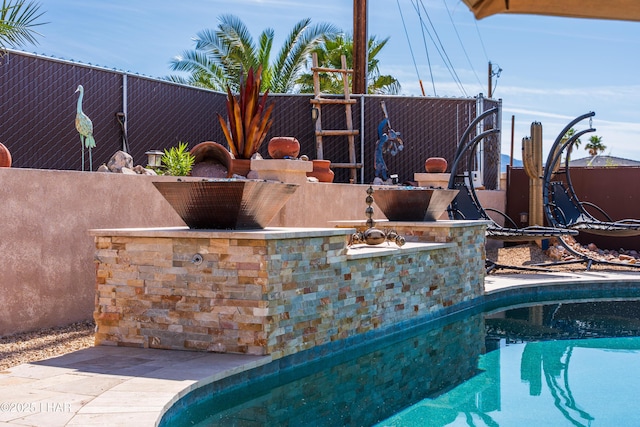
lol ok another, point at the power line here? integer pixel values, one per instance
(440, 47)
(455, 29)
(411, 49)
(424, 42)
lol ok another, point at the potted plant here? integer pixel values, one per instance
(177, 161)
(248, 120)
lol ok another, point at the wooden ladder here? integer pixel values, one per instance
(319, 101)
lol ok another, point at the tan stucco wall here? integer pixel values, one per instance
(47, 270)
(47, 273)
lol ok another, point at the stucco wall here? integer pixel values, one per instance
(46, 262)
(47, 271)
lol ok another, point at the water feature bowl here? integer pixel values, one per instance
(413, 203)
(226, 203)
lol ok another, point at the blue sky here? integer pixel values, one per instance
(553, 69)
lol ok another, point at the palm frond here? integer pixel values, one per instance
(204, 71)
(234, 34)
(302, 40)
(17, 20)
(264, 53)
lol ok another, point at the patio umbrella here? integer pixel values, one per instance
(624, 10)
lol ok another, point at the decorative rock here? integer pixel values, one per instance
(120, 160)
(141, 170)
(103, 168)
(128, 171)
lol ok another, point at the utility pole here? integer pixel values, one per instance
(359, 80)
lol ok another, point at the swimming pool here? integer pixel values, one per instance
(473, 368)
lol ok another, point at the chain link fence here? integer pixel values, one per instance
(38, 108)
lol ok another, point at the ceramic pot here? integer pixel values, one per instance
(283, 146)
(322, 171)
(240, 167)
(212, 160)
(5, 157)
(435, 165)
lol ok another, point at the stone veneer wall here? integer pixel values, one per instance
(418, 362)
(273, 291)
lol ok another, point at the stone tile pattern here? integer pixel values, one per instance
(366, 389)
(270, 295)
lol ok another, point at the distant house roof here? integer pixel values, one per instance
(604, 161)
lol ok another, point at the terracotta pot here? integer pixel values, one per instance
(5, 157)
(283, 146)
(212, 160)
(435, 165)
(322, 171)
(239, 167)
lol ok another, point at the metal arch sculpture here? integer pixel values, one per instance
(563, 208)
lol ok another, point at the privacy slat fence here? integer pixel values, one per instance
(38, 106)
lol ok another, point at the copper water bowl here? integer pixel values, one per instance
(226, 203)
(413, 203)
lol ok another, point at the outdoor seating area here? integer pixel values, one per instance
(565, 211)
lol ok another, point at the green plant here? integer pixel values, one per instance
(17, 19)
(177, 161)
(248, 117)
(222, 55)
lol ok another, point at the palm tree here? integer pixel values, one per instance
(17, 19)
(224, 55)
(595, 145)
(575, 144)
(569, 134)
(329, 56)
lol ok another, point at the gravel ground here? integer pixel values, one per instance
(528, 254)
(46, 343)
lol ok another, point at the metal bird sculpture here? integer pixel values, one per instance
(85, 128)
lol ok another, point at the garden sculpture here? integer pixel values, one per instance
(388, 142)
(85, 128)
(373, 235)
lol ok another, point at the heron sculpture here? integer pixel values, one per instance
(85, 128)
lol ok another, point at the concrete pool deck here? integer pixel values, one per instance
(120, 386)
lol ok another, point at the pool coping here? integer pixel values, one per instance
(131, 386)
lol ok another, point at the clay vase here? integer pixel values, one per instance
(212, 160)
(240, 167)
(5, 157)
(435, 165)
(322, 171)
(281, 147)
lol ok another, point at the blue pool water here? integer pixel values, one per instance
(562, 364)
(592, 382)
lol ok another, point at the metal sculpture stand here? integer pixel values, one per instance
(372, 235)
